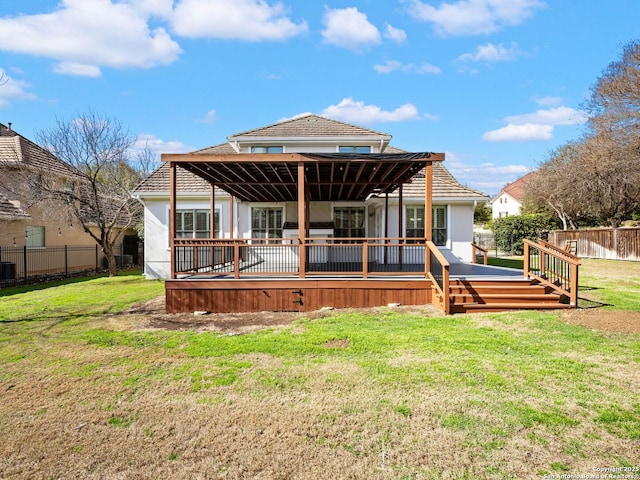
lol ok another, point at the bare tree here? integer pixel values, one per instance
(599, 175)
(552, 189)
(99, 199)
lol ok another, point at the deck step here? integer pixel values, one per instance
(501, 295)
(503, 307)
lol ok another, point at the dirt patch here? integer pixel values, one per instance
(614, 321)
(341, 343)
(152, 316)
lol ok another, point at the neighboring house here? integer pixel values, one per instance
(509, 201)
(333, 212)
(24, 220)
(29, 218)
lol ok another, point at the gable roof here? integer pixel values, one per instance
(518, 188)
(309, 126)
(8, 211)
(18, 150)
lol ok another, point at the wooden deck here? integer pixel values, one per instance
(266, 293)
(267, 280)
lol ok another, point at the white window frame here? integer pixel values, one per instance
(335, 206)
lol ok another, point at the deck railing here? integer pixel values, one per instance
(478, 252)
(552, 267)
(324, 256)
(439, 274)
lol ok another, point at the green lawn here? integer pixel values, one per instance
(388, 393)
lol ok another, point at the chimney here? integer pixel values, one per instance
(9, 124)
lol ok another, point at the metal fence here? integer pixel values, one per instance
(27, 265)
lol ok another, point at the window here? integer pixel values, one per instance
(267, 149)
(439, 230)
(415, 223)
(196, 223)
(266, 222)
(348, 222)
(354, 149)
(35, 237)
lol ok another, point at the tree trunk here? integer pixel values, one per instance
(111, 261)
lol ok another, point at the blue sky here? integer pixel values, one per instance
(495, 84)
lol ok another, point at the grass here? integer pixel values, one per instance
(407, 395)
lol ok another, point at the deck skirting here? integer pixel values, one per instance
(255, 295)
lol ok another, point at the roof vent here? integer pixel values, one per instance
(9, 125)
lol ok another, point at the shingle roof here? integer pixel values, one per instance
(8, 211)
(186, 181)
(309, 126)
(517, 189)
(16, 148)
(444, 184)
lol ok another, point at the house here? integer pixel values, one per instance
(509, 201)
(24, 220)
(339, 216)
(32, 222)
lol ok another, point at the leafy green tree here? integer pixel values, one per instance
(482, 214)
(509, 232)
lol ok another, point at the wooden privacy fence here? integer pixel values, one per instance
(607, 243)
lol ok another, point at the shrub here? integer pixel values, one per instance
(509, 232)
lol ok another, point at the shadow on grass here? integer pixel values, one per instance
(588, 304)
(8, 291)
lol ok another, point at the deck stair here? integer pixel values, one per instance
(497, 295)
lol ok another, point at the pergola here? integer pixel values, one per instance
(303, 177)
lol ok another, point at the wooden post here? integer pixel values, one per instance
(574, 284)
(172, 216)
(386, 227)
(212, 222)
(527, 260)
(365, 258)
(230, 216)
(400, 233)
(302, 221)
(428, 214)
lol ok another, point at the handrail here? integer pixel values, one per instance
(559, 250)
(474, 253)
(553, 267)
(439, 275)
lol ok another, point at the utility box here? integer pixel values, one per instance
(7, 271)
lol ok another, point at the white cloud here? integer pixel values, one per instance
(538, 125)
(252, 20)
(520, 133)
(395, 66)
(84, 35)
(473, 17)
(349, 28)
(552, 116)
(491, 53)
(11, 89)
(158, 146)
(487, 177)
(396, 35)
(77, 69)
(349, 110)
(548, 101)
(210, 117)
